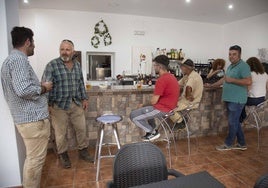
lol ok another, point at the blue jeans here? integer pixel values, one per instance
(235, 131)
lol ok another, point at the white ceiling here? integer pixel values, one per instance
(211, 11)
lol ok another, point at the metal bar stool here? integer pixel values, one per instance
(185, 114)
(257, 112)
(169, 135)
(110, 120)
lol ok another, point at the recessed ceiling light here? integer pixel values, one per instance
(230, 6)
(187, 1)
(25, 1)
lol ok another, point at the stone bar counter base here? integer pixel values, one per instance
(209, 119)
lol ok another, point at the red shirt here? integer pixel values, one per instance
(167, 87)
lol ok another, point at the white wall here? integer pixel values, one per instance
(251, 34)
(198, 40)
(9, 162)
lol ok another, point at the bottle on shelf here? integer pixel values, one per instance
(169, 55)
(164, 51)
(150, 80)
(157, 52)
(172, 54)
(176, 54)
(177, 71)
(181, 56)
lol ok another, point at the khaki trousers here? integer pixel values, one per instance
(182, 105)
(60, 119)
(35, 137)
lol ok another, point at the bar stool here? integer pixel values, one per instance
(109, 120)
(258, 114)
(169, 135)
(185, 114)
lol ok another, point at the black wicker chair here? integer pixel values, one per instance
(262, 182)
(139, 163)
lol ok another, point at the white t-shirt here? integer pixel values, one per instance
(258, 87)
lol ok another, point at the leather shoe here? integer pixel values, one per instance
(179, 126)
(83, 154)
(64, 160)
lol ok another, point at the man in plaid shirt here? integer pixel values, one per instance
(67, 101)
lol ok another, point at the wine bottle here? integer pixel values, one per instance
(180, 55)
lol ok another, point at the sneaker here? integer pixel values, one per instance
(64, 160)
(83, 154)
(145, 137)
(152, 136)
(239, 147)
(179, 126)
(223, 148)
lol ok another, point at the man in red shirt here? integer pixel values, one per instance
(165, 98)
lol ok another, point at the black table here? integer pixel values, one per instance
(198, 180)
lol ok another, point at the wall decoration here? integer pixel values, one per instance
(95, 41)
(101, 31)
(263, 54)
(107, 39)
(142, 60)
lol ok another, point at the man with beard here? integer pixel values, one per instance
(192, 84)
(28, 104)
(164, 99)
(67, 102)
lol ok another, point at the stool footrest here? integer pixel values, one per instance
(107, 156)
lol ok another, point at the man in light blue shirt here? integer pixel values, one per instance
(27, 103)
(235, 82)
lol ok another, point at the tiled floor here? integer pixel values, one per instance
(232, 168)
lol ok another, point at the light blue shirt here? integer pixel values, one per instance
(22, 89)
(233, 92)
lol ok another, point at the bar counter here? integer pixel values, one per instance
(209, 119)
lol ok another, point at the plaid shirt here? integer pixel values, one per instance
(22, 89)
(68, 85)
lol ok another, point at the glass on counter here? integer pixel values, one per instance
(88, 85)
(139, 85)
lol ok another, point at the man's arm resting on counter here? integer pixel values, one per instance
(218, 83)
(243, 82)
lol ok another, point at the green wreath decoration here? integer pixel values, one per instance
(107, 39)
(101, 28)
(95, 41)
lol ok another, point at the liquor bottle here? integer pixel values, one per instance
(180, 55)
(164, 51)
(176, 55)
(169, 55)
(150, 80)
(157, 52)
(177, 72)
(172, 54)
